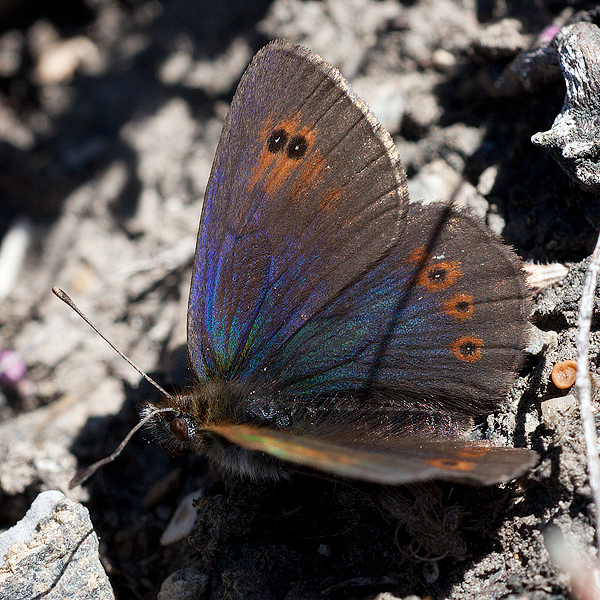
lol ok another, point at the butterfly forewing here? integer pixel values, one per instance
(306, 192)
(393, 463)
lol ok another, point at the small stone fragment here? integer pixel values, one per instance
(59, 61)
(569, 552)
(501, 39)
(557, 408)
(435, 181)
(183, 520)
(11, 52)
(187, 584)
(21, 532)
(539, 277)
(385, 98)
(529, 72)
(443, 60)
(431, 572)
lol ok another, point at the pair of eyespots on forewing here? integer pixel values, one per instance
(295, 146)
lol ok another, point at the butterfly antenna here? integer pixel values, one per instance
(84, 474)
(67, 300)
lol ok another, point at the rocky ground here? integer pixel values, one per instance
(110, 112)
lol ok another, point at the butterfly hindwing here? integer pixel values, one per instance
(421, 323)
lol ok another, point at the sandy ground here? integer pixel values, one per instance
(110, 113)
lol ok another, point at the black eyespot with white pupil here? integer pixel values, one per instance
(277, 141)
(297, 147)
(437, 275)
(468, 349)
(179, 429)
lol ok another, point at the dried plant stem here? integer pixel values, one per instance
(583, 383)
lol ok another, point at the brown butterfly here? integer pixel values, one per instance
(333, 325)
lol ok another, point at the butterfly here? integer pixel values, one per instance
(333, 326)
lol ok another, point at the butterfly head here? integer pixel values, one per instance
(194, 422)
(175, 431)
(185, 428)
(189, 424)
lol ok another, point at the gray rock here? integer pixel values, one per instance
(187, 584)
(52, 553)
(25, 528)
(385, 98)
(436, 181)
(341, 31)
(573, 137)
(501, 39)
(531, 71)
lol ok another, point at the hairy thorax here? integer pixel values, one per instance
(189, 427)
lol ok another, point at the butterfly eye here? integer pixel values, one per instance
(277, 141)
(179, 429)
(297, 147)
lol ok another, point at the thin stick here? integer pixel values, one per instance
(67, 300)
(583, 384)
(84, 474)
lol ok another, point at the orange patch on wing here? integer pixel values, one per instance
(328, 202)
(310, 171)
(280, 171)
(467, 348)
(460, 306)
(290, 450)
(273, 169)
(472, 452)
(451, 464)
(265, 158)
(440, 275)
(418, 256)
(254, 439)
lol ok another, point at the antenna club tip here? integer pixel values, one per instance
(59, 293)
(81, 476)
